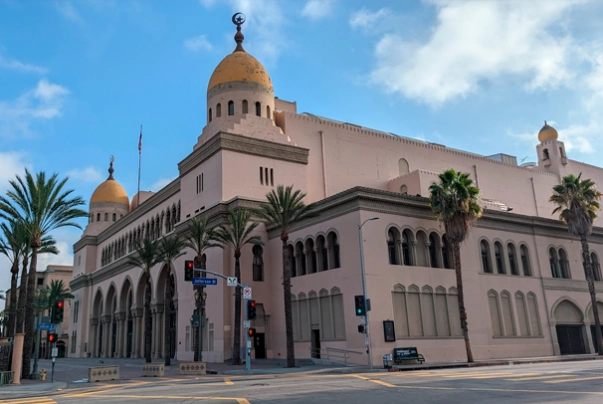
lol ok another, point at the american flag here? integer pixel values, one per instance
(140, 141)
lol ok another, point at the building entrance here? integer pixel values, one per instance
(315, 344)
(570, 339)
(260, 346)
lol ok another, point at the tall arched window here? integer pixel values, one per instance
(114, 217)
(446, 259)
(292, 260)
(258, 109)
(218, 110)
(498, 254)
(545, 153)
(334, 247)
(594, 262)
(403, 167)
(258, 264)
(106, 217)
(98, 217)
(245, 107)
(554, 263)
(406, 251)
(485, 248)
(209, 115)
(268, 111)
(564, 264)
(512, 259)
(393, 242)
(433, 255)
(525, 261)
(230, 107)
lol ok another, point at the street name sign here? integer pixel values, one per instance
(231, 281)
(46, 327)
(205, 281)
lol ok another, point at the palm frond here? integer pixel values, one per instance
(146, 255)
(237, 232)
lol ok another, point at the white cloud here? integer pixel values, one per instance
(68, 11)
(198, 43)
(12, 64)
(160, 183)
(367, 20)
(88, 174)
(317, 9)
(207, 3)
(65, 239)
(11, 164)
(43, 102)
(475, 42)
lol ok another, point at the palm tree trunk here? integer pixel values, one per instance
(22, 296)
(28, 341)
(288, 311)
(236, 354)
(588, 269)
(147, 322)
(12, 313)
(456, 249)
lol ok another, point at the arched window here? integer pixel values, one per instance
(446, 259)
(545, 153)
(268, 111)
(218, 110)
(292, 261)
(209, 115)
(334, 249)
(404, 190)
(114, 217)
(258, 109)
(564, 264)
(594, 262)
(525, 261)
(98, 217)
(258, 264)
(433, 252)
(561, 153)
(498, 253)
(406, 245)
(230, 107)
(403, 167)
(106, 217)
(393, 243)
(485, 248)
(245, 107)
(322, 254)
(512, 259)
(554, 262)
(300, 258)
(310, 257)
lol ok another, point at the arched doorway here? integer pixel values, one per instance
(569, 327)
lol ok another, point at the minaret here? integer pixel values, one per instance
(551, 152)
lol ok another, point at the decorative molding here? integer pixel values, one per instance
(238, 86)
(570, 285)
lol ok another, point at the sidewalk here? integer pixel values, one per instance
(73, 372)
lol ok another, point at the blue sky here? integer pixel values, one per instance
(77, 78)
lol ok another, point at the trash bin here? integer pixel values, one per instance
(387, 361)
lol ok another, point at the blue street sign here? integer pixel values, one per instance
(47, 327)
(205, 281)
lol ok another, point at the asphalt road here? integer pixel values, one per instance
(567, 382)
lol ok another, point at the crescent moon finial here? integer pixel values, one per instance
(238, 19)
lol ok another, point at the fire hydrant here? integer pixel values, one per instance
(43, 374)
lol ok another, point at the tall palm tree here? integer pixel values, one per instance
(577, 205)
(236, 234)
(454, 202)
(170, 248)
(285, 208)
(43, 204)
(200, 237)
(145, 258)
(58, 292)
(11, 247)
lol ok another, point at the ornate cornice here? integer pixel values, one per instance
(569, 285)
(245, 145)
(83, 242)
(80, 282)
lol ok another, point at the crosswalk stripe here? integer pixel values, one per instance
(458, 375)
(575, 380)
(520, 379)
(500, 376)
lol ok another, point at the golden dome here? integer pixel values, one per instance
(110, 191)
(547, 133)
(239, 66)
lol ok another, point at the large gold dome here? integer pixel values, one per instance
(110, 191)
(547, 133)
(239, 66)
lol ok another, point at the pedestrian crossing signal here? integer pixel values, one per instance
(251, 332)
(52, 338)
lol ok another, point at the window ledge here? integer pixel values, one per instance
(430, 337)
(516, 276)
(518, 336)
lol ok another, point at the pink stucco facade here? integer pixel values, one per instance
(525, 288)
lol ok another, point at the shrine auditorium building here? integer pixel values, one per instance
(525, 287)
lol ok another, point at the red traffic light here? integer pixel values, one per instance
(189, 264)
(52, 337)
(60, 304)
(252, 303)
(251, 332)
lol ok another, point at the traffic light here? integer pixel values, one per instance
(359, 302)
(251, 332)
(251, 309)
(57, 312)
(188, 271)
(51, 338)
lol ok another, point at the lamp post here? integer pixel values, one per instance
(35, 375)
(368, 328)
(200, 298)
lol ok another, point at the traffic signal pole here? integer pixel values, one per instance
(247, 342)
(366, 315)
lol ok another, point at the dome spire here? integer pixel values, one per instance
(111, 170)
(238, 19)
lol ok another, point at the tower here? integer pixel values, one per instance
(551, 152)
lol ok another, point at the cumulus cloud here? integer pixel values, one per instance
(198, 43)
(317, 9)
(12, 64)
(11, 164)
(369, 20)
(160, 183)
(65, 239)
(43, 102)
(88, 174)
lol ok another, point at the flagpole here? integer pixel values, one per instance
(139, 164)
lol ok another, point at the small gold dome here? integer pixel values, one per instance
(110, 190)
(240, 66)
(547, 133)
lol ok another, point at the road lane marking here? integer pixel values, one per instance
(360, 377)
(243, 401)
(382, 383)
(505, 375)
(574, 380)
(139, 396)
(36, 400)
(502, 390)
(536, 378)
(227, 381)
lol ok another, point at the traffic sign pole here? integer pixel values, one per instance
(247, 342)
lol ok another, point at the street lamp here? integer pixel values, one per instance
(200, 298)
(368, 332)
(35, 375)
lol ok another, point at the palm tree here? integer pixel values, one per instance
(454, 202)
(43, 205)
(11, 247)
(170, 248)
(58, 292)
(236, 234)
(285, 208)
(199, 238)
(577, 205)
(146, 257)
